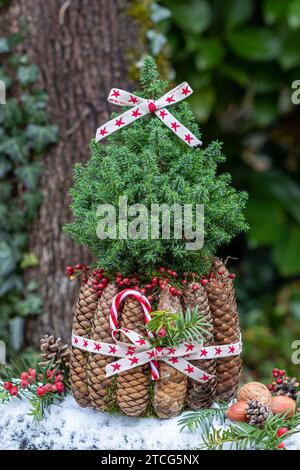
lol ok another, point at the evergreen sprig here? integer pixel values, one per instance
(188, 326)
(149, 164)
(206, 417)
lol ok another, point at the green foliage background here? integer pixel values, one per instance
(24, 134)
(241, 58)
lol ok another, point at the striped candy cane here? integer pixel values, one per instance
(114, 312)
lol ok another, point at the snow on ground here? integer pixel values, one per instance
(72, 427)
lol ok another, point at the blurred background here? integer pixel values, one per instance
(60, 60)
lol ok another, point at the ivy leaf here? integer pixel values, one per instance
(290, 55)
(203, 102)
(29, 175)
(274, 11)
(27, 74)
(237, 13)
(254, 44)
(4, 46)
(32, 305)
(41, 136)
(193, 16)
(286, 253)
(7, 259)
(210, 53)
(29, 261)
(12, 148)
(5, 166)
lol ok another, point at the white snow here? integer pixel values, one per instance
(71, 427)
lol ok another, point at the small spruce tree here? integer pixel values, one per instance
(148, 164)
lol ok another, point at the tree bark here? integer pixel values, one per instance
(81, 48)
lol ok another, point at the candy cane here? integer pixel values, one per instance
(114, 313)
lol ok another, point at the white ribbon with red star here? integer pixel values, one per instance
(142, 107)
(141, 351)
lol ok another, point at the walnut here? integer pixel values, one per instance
(254, 391)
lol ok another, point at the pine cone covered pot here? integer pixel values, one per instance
(202, 395)
(84, 314)
(101, 389)
(170, 389)
(133, 385)
(221, 296)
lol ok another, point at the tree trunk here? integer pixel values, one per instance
(81, 48)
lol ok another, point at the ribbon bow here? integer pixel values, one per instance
(142, 107)
(141, 351)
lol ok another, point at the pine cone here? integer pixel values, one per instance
(133, 385)
(202, 395)
(221, 296)
(257, 413)
(289, 387)
(170, 389)
(101, 389)
(84, 314)
(54, 352)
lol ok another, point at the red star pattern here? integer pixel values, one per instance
(85, 343)
(134, 360)
(125, 330)
(189, 347)
(119, 122)
(151, 354)
(163, 114)
(186, 91)
(170, 99)
(174, 126)
(203, 352)
(218, 351)
(103, 131)
(188, 138)
(76, 340)
(116, 366)
(142, 342)
(97, 347)
(130, 351)
(204, 377)
(171, 350)
(189, 369)
(174, 360)
(231, 349)
(112, 349)
(133, 99)
(136, 113)
(115, 93)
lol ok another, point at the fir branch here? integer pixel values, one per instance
(206, 417)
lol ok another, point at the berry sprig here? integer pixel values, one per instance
(283, 385)
(163, 278)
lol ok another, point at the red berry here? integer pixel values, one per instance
(282, 431)
(78, 266)
(279, 381)
(172, 290)
(136, 287)
(32, 373)
(178, 292)
(143, 291)
(162, 333)
(149, 297)
(53, 388)
(126, 280)
(7, 385)
(281, 445)
(154, 281)
(148, 286)
(281, 373)
(271, 387)
(220, 273)
(173, 273)
(59, 378)
(185, 274)
(85, 280)
(24, 384)
(50, 373)
(60, 387)
(14, 391)
(184, 282)
(41, 390)
(161, 269)
(48, 388)
(231, 276)
(69, 270)
(169, 271)
(162, 286)
(274, 370)
(195, 287)
(204, 282)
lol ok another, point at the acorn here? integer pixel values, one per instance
(237, 411)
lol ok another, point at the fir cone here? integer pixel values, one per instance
(257, 413)
(288, 387)
(170, 389)
(84, 313)
(202, 395)
(101, 389)
(221, 296)
(133, 385)
(54, 352)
